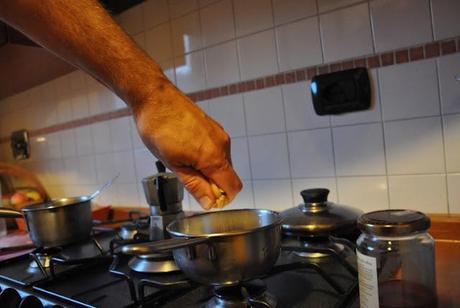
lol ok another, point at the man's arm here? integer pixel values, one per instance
(172, 127)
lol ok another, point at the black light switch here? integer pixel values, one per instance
(20, 144)
(341, 92)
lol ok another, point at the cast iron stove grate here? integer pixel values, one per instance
(28, 269)
(337, 281)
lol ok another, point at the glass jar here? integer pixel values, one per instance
(396, 260)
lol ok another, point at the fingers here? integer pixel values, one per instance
(225, 178)
(198, 186)
(205, 191)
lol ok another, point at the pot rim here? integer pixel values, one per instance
(276, 222)
(55, 203)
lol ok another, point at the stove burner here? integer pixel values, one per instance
(153, 263)
(249, 294)
(321, 249)
(134, 230)
(42, 259)
(318, 249)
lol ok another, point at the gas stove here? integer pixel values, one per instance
(94, 274)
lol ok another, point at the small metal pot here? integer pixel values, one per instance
(221, 248)
(57, 222)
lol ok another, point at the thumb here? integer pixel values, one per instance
(198, 186)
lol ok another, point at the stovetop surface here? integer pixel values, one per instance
(91, 284)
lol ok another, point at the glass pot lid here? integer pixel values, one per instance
(317, 217)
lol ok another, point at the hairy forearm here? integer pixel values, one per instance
(82, 33)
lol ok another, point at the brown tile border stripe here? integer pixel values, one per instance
(119, 113)
(392, 57)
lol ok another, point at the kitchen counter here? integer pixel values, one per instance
(445, 229)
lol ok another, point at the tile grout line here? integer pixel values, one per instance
(331, 133)
(281, 89)
(430, 10)
(243, 102)
(443, 134)
(385, 156)
(371, 26)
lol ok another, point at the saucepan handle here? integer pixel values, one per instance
(10, 213)
(162, 246)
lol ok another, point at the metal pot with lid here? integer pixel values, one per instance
(319, 218)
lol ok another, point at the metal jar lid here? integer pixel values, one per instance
(394, 222)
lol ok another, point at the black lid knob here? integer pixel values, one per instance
(160, 166)
(315, 195)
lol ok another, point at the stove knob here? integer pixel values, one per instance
(9, 298)
(31, 302)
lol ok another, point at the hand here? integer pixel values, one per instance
(189, 143)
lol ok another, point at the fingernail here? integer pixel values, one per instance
(205, 202)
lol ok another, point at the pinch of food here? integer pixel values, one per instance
(221, 196)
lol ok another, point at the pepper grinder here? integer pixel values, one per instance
(164, 194)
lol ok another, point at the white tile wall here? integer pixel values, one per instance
(240, 157)
(245, 199)
(346, 33)
(68, 143)
(124, 164)
(158, 42)
(453, 183)
(155, 12)
(426, 193)
(79, 102)
(290, 10)
(269, 156)
(132, 20)
(328, 5)
(186, 33)
(279, 145)
(452, 142)
(273, 194)
(264, 111)
(252, 16)
(294, 52)
(365, 193)
(311, 153)
(101, 137)
(204, 3)
(84, 141)
(229, 112)
(217, 22)
(299, 108)
(257, 55)
(409, 90)
(414, 146)
(446, 23)
(448, 68)
(400, 23)
(105, 168)
(190, 72)
(359, 150)
(181, 7)
(120, 134)
(222, 65)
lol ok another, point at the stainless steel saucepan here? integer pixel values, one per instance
(58, 222)
(221, 248)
